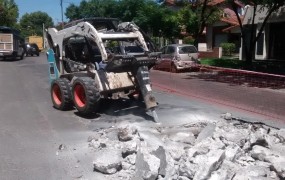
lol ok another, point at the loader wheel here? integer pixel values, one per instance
(85, 95)
(61, 94)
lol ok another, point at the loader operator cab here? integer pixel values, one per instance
(80, 49)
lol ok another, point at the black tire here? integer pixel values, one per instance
(22, 56)
(38, 54)
(85, 95)
(61, 94)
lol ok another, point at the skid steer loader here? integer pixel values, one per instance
(97, 58)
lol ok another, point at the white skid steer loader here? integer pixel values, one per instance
(97, 58)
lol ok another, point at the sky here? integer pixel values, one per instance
(51, 7)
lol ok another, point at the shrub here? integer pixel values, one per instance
(188, 40)
(228, 48)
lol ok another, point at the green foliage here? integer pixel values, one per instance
(32, 24)
(228, 48)
(152, 18)
(272, 67)
(92, 8)
(9, 13)
(188, 40)
(194, 16)
(226, 63)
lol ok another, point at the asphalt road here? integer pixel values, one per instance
(32, 132)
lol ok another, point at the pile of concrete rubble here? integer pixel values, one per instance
(228, 149)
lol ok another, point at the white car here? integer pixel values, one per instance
(178, 57)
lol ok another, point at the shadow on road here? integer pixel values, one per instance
(119, 107)
(241, 79)
(10, 59)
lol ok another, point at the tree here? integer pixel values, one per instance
(196, 15)
(269, 6)
(72, 12)
(92, 8)
(148, 15)
(8, 13)
(32, 24)
(156, 20)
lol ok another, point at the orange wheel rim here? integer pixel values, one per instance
(56, 94)
(79, 95)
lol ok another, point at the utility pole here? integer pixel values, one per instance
(61, 14)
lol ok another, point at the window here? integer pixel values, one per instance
(260, 44)
(170, 50)
(163, 50)
(187, 49)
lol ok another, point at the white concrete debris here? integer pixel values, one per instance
(126, 133)
(108, 161)
(227, 149)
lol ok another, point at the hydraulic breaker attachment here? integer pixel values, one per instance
(142, 76)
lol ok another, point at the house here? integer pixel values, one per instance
(225, 30)
(271, 44)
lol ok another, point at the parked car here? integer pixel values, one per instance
(178, 57)
(32, 49)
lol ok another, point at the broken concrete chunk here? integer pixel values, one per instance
(194, 151)
(211, 143)
(183, 137)
(219, 175)
(214, 160)
(131, 159)
(126, 133)
(232, 151)
(278, 165)
(147, 165)
(227, 116)
(208, 131)
(125, 165)
(94, 136)
(252, 172)
(183, 178)
(236, 136)
(187, 169)
(176, 154)
(151, 139)
(129, 147)
(161, 155)
(281, 135)
(99, 144)
(108, 161)
(245, 160)
(261, 153)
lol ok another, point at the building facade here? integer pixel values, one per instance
(271, 43)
